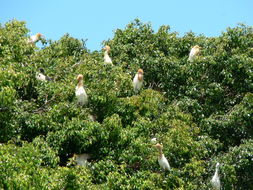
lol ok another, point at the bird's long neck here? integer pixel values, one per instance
(106, 53)
(80, 83)
(140, 77)
(160, 152)
(216, 171)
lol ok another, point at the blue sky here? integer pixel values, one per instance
(96, 20)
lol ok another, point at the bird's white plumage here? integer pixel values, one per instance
(40, 76)
(215, 181)
(163, 162)
(153, 140)
(107, 58)
(136, 83)
(193, 53)
(33, 39)
(81, 159)
(81, 95)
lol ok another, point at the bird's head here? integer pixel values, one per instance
(79, 77)
(107, 48)
(140, 74)
(196, 47)
(39, 35)
(42, 70)
(158, 146)
(140, 71)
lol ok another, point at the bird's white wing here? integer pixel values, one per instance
(167, 165)
(80, 91)
(107, 59)
(164, 163)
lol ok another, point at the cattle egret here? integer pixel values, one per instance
(81, 95)
(107, 58)
(215, 181)
(163, 162)
(194, 53)
(138, 80)
(35, 38)
(81, 159)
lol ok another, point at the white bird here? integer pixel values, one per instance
(163, 162)
(138, 80)
(215, 181)
(81, 159)
(41, 76)
(35, 38)
(107, 58)
(153, 140)
(194, 53)
(82, 97)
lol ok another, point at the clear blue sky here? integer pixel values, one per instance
(96, 20)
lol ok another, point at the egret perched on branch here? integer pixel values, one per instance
(163, 162)
(138, 80)
(195, 51)
(81, 95)
(35, 38)
(81, 159)
(215, 181)
(107, 58)
(41, 76)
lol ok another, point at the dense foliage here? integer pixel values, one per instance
(201, 111)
